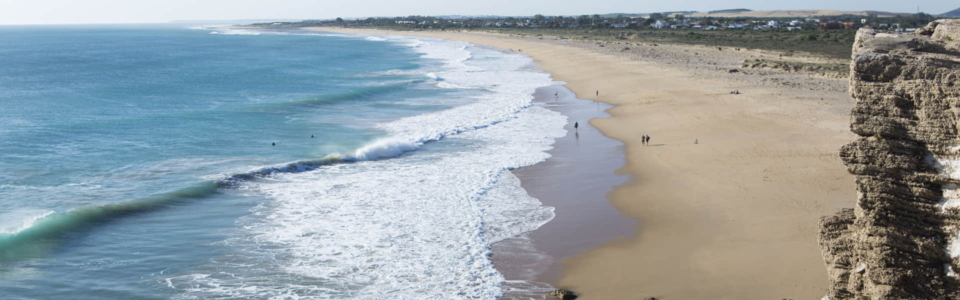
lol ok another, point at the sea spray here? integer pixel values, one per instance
(385, 148)
(401, 193)
(409, 226)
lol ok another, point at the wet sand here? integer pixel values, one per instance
(728, 195)
(575, 181)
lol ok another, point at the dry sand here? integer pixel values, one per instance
(733, 216)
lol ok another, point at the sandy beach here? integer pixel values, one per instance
(585, 161)
(726, 197)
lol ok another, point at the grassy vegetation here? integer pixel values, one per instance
(805, 38)
(829, 43)
(832, 70)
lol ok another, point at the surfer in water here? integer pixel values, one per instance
(576, 125)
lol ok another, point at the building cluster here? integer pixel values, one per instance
(791, 25)
(759, 24)
(655, 21)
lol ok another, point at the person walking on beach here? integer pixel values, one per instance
(576, 125)
(648, 140)
(643, 139)
(598, 93)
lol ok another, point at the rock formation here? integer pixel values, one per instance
(564, 294)
(902, 238)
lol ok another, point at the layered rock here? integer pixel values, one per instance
(902, 238)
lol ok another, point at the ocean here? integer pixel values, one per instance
(164, 162)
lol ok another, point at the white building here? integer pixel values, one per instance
(773, 24)
(622, 25)
(659, 24)
(795, 22)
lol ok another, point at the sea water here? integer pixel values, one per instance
(159, 162)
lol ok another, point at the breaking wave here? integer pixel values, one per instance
(376, 221)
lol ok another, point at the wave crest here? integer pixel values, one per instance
(385, 148)
(18, 243)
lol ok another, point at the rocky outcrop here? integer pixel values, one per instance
(902, 238)
(828, 70)
(564, 294)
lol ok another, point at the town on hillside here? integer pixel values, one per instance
(827, 35)
(670, 20)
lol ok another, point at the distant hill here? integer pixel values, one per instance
(747, 13)
(628, 15)
(735, 10)
(952, 13)
(789, 13)
(671, 13)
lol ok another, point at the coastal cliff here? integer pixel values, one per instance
(902, 238)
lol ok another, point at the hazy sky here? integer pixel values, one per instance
(150, 11)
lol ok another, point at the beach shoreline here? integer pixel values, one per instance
(574, 181)
(728, 194)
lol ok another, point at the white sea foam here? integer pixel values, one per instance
(16, 221)
(385, 148)
(208, 27)
(228, 31)
(375, 39)
(393, 73)
(415, 227)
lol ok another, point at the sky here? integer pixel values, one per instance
(157, 11)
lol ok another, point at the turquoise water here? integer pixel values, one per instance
(138, 162)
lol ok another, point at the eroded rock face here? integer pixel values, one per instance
(902, 238)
